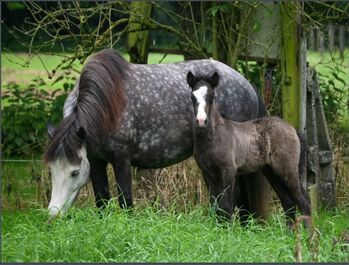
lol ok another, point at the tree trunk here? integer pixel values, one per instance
(341, 40)
(225, 33)
(138, 39)
(312, 45)
(215, 34)
(331, 37)
(320, 41)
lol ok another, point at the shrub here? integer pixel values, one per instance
(25, 114)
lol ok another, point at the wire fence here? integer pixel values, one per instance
(21, 161)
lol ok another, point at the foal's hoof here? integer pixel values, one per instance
(223, 216)
(307, 221)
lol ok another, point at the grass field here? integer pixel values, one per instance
(20, 68)
(152, 235)
(328, 61)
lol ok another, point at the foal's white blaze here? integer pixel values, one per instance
(65, 187)
(200, 95)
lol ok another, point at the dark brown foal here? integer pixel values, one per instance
(225, 149)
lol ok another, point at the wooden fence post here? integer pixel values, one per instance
(290, 66)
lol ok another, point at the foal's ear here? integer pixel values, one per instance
(82, 134)
(50, 130)
(191, 80)
(214, 79)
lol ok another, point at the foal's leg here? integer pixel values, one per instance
(252, 199)
(122, 170)
(287, 202)
(299, 194)
(221, 194)
(241, 198)
(99, 179)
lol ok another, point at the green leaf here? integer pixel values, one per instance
(59, 78)
(19, 141)
(339, 78)
(256, 26)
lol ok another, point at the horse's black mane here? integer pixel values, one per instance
(98, 109)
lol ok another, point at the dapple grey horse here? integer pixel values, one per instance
(140, 115)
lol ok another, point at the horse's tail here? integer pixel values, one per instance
(303, 154)
(101, 99)
(262, 112)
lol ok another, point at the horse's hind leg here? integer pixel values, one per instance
(287, 202)
(99, 179)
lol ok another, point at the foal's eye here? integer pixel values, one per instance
(75, 173)
(193, 98)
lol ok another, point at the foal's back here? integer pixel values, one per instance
(267, 141)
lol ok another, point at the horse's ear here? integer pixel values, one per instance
(82, 134)
(191, 80)
(50, 130)
(214, 79)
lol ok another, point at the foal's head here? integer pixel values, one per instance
(202, 96)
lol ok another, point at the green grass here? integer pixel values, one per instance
(150, 235)
(20, 184)
(333, 70)
(20, 68)
(328, 61)
(22, 61)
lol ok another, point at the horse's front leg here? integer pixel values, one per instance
(99, 179)
(122, 170)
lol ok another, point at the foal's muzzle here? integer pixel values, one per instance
(201, 123)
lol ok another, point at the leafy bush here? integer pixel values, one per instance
(25, 113)
(335, 98)
(333, 92)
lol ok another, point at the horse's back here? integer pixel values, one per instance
(158, 119)
(237, 99)
(161, 112)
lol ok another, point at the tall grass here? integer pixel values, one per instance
(154, 235)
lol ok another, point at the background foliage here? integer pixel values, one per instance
(26, 113)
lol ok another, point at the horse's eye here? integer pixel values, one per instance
(75, 173)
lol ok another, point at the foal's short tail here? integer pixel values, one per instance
(303, 154)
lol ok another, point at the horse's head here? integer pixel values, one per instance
(69, 168)
(202, 96)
